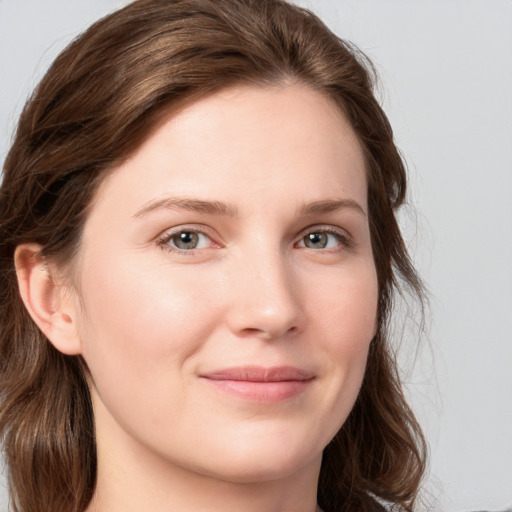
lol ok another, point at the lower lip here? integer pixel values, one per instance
(262, 392)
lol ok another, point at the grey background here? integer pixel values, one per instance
(446, 84)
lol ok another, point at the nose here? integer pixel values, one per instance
(265, 298)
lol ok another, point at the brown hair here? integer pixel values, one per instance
(93, 108)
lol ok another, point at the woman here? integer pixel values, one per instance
(199, 250)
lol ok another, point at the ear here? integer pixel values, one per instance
(48, 302)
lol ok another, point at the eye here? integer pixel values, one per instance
(186, 240)
(324, 239)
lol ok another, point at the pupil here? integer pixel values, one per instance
(316, 240)
(186, 240)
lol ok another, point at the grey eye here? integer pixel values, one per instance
(185, 240)
(317, 240)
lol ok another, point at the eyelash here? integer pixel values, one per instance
(345, 241)
(164, 241)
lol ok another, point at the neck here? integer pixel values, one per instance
(150, 488)
(131, 478)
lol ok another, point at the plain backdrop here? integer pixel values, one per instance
(446, 84)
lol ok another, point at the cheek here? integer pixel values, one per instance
(139, 318)
(347, 317)
(347, 307)
(142, 327)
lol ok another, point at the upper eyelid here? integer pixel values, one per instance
(327, 228)
(194, 228)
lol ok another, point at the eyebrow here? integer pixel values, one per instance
(330, 205)
(224, 209)
(190, 204)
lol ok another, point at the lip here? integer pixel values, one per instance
(260, 384)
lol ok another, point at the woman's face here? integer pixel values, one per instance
(228, 293)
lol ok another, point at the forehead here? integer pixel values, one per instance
(246, 141)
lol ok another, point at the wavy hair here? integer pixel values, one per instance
(96, 104)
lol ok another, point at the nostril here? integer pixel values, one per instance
(267, 333)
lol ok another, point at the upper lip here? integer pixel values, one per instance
(260, 374)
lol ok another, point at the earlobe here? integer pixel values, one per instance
(46, 300)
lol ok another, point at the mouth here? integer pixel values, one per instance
(260, 384)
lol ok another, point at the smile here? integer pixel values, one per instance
(262, 385)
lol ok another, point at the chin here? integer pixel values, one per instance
(257, 463)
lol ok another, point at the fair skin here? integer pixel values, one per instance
(224, 298)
